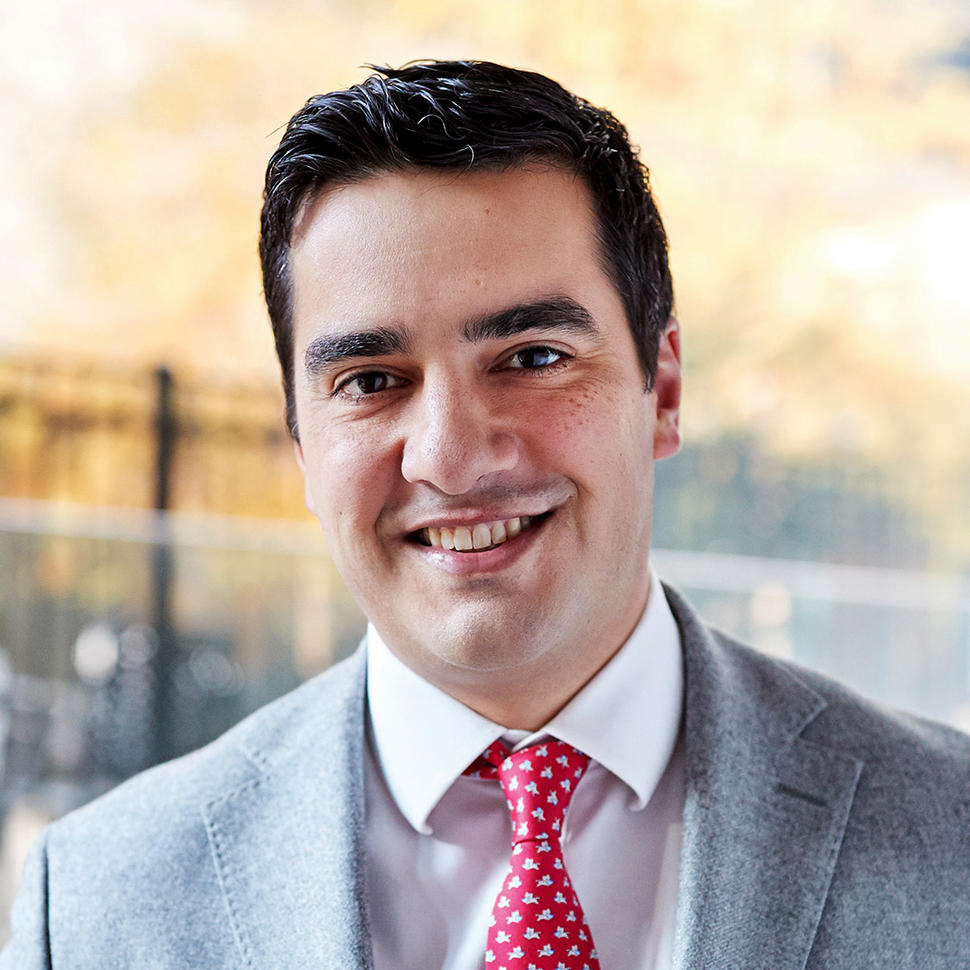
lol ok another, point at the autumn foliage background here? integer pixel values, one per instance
(812, 162)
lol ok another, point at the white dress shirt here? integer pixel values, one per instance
(438, 842)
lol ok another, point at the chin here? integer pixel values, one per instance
(484, 647)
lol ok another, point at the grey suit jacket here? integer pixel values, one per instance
(819, 831)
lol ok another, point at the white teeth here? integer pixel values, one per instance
(485, 535)
(481, 536)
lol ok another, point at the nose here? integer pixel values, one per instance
(456, 438)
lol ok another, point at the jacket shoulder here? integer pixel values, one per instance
(867, 729)
(111, 883)
(909, 828)
(761, 689)
(169, 796)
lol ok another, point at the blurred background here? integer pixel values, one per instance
(159, 576)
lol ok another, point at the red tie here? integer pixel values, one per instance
(537, 922)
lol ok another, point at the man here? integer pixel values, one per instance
(468, 284)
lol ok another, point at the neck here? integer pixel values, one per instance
(526, 698)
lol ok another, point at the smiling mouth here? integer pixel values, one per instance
(477, 538)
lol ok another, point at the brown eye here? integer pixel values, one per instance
(536, 358)
(370, 382)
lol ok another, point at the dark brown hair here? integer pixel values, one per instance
(465, 115)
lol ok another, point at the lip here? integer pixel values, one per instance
(487, 560)
(452, 520)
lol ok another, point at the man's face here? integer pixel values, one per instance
(465, 376)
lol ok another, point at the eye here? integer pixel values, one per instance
(536, 358)
(367, 383)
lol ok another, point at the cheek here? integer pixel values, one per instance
(568, 417)
(348, 472)
(594, 429)
(583, 409)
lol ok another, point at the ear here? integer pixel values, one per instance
(666, 392)
(301, 461)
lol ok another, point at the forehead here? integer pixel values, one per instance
(401, 245)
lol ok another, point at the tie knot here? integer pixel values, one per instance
(538, 782)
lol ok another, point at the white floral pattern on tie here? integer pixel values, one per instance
(537, 922)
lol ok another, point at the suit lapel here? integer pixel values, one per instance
(764, 813)
(288, 844)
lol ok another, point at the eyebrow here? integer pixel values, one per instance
(556, 313)
(327, 350)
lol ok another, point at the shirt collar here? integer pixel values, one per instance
(631, 733)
